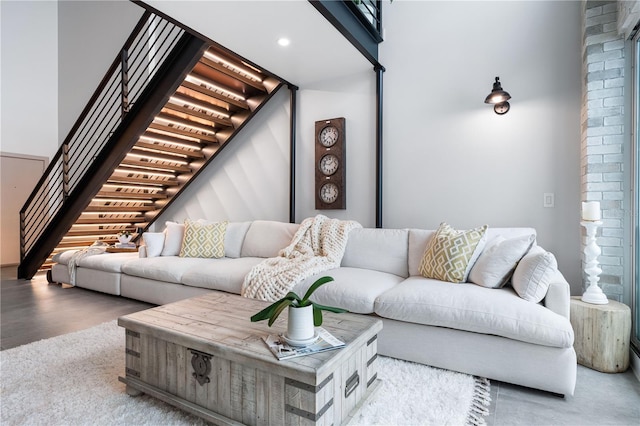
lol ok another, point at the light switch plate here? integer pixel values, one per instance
(549, 199)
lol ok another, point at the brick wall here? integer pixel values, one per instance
(603, 136)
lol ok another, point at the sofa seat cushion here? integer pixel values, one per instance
(221, 274)
(383, 250)
(108, 262)
(473, 308)
(164, 268)
(353, 289)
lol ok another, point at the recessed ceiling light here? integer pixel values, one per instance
(282, 41)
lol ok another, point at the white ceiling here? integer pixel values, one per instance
(252, 28)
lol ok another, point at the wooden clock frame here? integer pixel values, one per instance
(338, 178)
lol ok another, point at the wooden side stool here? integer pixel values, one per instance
(602, 334)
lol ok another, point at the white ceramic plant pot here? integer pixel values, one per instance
(300, 325)
(124, 238)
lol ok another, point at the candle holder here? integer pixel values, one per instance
(593, 294)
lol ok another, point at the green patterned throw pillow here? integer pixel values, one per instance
(450, 254)
(203, 240)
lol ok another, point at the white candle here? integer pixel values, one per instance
(591, 210)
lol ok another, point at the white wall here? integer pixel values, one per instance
(448, 157)
(91, 34)
(29, 97)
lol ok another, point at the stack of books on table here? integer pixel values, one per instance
(128, 245)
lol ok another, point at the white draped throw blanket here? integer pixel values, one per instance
(318, 245)
(81, 254)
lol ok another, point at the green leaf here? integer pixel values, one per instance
(320, 281)
(329, 308)
(317, 316)
(292, 296)
(267, 312)
(283, 304)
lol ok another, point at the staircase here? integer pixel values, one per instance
(165, 109)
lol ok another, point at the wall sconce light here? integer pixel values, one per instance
(498, 98)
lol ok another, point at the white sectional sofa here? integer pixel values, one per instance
(464, 327)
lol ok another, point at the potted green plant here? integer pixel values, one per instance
(304, 314)
(124, 236)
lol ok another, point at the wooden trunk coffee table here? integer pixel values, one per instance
(203, 355)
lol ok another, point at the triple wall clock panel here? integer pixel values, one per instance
(330, 164)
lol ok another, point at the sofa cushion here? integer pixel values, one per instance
(451, 253)
(266, 238)
(533, 274)
(154, 243)
(108, 262)
(174, 234)
(473, 308)
(164, 268)
(383, 250)
(203, 240)
(353, 289)
(418, 239)
(498, 260)
(224, 274)
(234, 238)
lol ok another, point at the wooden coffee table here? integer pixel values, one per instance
(203, 355)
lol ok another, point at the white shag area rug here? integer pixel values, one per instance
(73, 380)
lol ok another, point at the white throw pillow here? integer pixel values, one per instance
(533, 274)
(174, 234)
(499, 259)
(154, 241)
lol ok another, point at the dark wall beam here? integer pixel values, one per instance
(292, 152)
(379, 69)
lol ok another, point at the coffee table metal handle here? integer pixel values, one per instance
(352, 384)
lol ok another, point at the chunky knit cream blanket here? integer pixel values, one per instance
(318, 245)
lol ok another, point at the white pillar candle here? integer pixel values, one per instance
(591, 210)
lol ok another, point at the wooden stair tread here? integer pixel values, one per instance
(185, 110)
(159, 136)
(139, 220)
(102, 232)
(175, 150)
(207, 129)
(154, 165)
(151, 181)
(108, 209)
(201, 137)
(136, 195)
(217, 95)
(221, 68)
(158, 156)
(203, 102)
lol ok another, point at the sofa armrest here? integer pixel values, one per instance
(559, 295)
(142, 251)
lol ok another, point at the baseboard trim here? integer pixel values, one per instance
(635, 363)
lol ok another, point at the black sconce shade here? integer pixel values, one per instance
(498, 98)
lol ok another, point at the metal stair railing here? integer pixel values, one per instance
(151, 41)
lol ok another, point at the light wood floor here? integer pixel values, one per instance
(34, 310)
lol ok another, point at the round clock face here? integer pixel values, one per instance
(328, 136)
(329, 193)
(329, 164)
